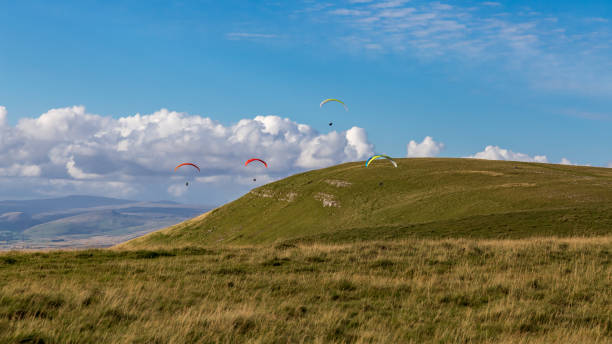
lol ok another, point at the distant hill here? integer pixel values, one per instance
(62, 203)
(422, 197)
(89, 223)
(84, 220)
(15, 220)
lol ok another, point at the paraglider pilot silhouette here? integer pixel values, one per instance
(187, 164)
(333, 100)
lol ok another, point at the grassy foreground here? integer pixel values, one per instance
(410, 290)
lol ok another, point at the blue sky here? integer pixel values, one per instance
(533, 78)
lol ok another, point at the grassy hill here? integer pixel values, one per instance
(345, 254)
(421, 198)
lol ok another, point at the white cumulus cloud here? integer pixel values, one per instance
(565, 161)
(497, 153)
(77, 173)
(427, 148)
(2, 115)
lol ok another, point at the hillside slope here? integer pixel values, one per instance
(422, 197)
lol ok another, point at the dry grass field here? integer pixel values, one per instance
(547, 290)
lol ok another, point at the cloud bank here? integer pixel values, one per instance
(497, 153)
(69, 150)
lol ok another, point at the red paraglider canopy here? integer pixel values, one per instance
(187, 164)
(255, 159)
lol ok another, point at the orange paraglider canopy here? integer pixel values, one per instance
(187, 164)
(255, 159)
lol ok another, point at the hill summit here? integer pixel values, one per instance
(424, 197)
